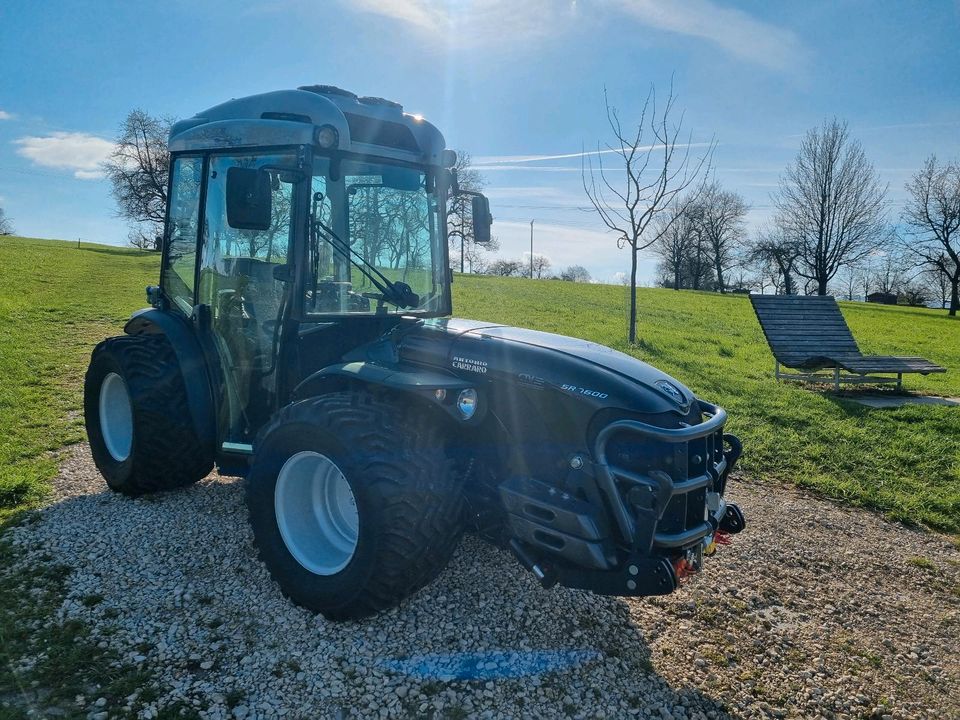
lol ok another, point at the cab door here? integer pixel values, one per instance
(243, 281)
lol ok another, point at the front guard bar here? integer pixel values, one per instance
(650, 493)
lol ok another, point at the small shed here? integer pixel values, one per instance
(882, 298)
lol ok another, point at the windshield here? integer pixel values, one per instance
(375, 240)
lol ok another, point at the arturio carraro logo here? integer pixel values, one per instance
(670, 389)
(469, 364)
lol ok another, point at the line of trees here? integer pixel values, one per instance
(831, 231)
(699, 241)
(504, 267)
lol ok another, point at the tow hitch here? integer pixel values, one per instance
(690, 563)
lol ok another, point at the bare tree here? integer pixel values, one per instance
(848, 279)
(932, 214)
(938, 281)
(477, 256)
(6, 224)
(674, 240)
(830, 201)
(741, 280)
(722, 214)
(776, 247)
(765, 272)
(138, 170)
(654, 175)
(541, 264)
(506, 268)
(915, 292)
(698, 266)
(576, 273)
(885, 273)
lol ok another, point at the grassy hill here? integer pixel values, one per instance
(57, 301)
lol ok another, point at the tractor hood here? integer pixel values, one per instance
(489, 353)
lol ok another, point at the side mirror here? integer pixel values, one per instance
(482, 220)
(249, 199)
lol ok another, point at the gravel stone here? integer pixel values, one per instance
(816, 611)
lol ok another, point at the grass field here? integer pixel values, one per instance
(57, 301)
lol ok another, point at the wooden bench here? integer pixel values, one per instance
(808, 333)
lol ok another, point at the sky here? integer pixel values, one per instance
(518, 85)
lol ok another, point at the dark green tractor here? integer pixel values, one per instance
(300, 337)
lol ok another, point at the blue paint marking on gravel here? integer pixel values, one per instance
(491, 665)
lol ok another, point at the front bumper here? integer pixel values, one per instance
(631, 526)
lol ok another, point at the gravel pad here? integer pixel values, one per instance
(814, 611)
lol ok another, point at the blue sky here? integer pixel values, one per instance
(517, 84)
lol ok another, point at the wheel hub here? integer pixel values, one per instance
(116, 417)
(316, 513)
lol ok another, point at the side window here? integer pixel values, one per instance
(181, 242)
(240, 262)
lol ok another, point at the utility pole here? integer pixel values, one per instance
(463, 239)
(531, 249)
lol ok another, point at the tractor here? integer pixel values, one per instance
(301, 337)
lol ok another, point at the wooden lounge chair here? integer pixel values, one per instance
(808, 333)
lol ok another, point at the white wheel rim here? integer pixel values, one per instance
(116, 417)
(316, 513)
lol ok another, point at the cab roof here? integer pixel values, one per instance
(365, 125)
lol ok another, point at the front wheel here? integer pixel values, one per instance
(353, 503)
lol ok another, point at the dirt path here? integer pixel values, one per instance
(814, 611)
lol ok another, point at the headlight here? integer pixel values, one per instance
(327, 136)
(467, 403)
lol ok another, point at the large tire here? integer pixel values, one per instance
(141, 433)
(408, 502)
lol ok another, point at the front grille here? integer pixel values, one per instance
(657, 478)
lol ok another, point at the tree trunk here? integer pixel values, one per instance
(821, 286)
(954, 295)
(632, 332)
(720, 284)
(787, 281)
(676, 280)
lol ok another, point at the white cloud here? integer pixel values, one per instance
(421, 13)
(733, 30)
(4, 115)
(79, 152)
(476, 22)
(501, 21)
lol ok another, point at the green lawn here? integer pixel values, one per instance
(57, 301)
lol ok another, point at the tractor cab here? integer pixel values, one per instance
(303, 223)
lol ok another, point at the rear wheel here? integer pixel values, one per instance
(138, 422)
(353, 503)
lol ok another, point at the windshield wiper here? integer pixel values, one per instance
(397, 293)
